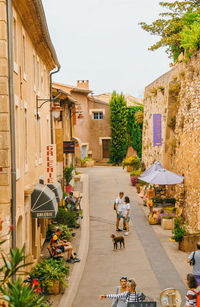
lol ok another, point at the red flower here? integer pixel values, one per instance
(38, 290)
(1, 221)
(11, 227)
(3, 304)
(35, 282)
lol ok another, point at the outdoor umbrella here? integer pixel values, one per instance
(162, 177)
(154, 167)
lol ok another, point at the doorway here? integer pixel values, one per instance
(83, 151)
(106, 148)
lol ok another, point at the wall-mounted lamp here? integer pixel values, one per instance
(55, 109)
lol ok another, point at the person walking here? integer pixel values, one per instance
(126, 213)
(118, 208)
(121, 302)
(191, 296)
(130, 295)
(195, 258)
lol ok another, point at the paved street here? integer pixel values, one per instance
(144, 258)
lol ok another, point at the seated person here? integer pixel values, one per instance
(70, 200)
(60, 247)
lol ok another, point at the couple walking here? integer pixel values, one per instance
(123, 210)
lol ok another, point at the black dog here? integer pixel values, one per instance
(116, 239)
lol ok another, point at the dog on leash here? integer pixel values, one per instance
(117, 240)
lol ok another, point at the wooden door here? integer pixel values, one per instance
(106, 149)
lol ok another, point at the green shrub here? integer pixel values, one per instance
(68, 174)
(50, 270)
(179, 230)
(135, 173)
(66, 217)
(134, 128)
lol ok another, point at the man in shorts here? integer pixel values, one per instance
(118, 208)
(60, 247)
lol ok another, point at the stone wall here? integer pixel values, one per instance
(176, 96)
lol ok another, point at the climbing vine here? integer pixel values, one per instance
(118, 124)
(134, 128)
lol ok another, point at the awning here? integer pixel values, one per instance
(56, 188)
(43, 202)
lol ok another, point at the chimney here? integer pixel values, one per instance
(83, 84)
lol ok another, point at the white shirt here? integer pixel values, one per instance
(125, 208)
(119, 202)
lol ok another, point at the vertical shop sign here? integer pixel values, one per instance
(157, 130)
(51, 171)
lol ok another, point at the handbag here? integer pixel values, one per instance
(192, 261)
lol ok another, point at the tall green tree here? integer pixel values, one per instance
(134, 128)
(118, 123)
(170, 25)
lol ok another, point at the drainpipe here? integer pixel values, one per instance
(51, 102)
(12, 123)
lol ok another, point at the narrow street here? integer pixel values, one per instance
(143, 259)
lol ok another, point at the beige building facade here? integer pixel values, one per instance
(33, 58)
(175, 96)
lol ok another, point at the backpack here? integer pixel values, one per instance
(198, 298)
(192, 261)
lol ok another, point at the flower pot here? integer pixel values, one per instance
(129, 168)
(167, 224)
(188, 243)
(55, 288)
(68, 188)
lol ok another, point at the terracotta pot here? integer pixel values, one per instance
(55, 288)
(188, 244)
(129, 168)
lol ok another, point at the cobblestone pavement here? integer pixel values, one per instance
(145, 259)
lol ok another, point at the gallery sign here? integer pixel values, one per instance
(157, 130)
(51, 169)
(68, 147)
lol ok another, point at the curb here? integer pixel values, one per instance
(70, 294)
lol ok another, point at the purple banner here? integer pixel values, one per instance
(157, 130)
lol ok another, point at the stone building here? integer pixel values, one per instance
(92, 129)
(174, 100)
(24, 128)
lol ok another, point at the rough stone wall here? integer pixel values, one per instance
(180, 109)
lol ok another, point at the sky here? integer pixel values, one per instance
(101, 41)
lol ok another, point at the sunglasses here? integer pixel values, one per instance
(123, 277)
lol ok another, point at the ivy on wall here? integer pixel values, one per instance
(134, 128)
(118, 124)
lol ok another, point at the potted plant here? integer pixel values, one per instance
(87, 162)
(52, 273)
(132, 163)
(134, 177)
(68, 177)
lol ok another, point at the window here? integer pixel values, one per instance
(26, 137)
(40, 140)
(15, 45)
(17, 136)
(34, 71)
(24, 53)
(38, 75)
(98, 115)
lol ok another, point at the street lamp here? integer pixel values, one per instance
(55, 109)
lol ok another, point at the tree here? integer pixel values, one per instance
(135, 126)
(170, 26)
(118, 123)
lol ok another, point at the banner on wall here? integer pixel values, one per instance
(157, 130)
(51, 169)
(68, 147)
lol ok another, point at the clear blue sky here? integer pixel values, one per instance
(100, 40)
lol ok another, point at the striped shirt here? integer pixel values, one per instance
(191, 297)
(130, 296)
